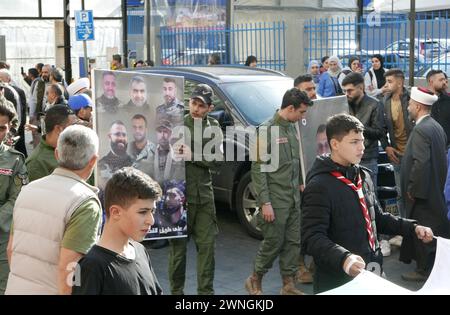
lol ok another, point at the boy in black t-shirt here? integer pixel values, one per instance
(118, 264)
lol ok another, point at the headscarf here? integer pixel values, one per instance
(335, 73)
(314, 76)
(379, 74)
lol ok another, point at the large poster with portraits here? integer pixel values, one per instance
(137, 118)
(312, 129)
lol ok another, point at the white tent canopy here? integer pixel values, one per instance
(404, 5)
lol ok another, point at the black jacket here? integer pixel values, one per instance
(441, 113)
(333, 224)
(370, 112)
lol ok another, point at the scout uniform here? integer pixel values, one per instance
(201, 212)
(280, 188)
(13, 174)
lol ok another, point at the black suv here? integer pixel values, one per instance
(244, 97)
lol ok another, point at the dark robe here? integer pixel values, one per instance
(423, 174)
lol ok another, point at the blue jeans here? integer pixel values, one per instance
(372, 164)
(400, 201)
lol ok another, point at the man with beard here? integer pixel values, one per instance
(440, 111)
(370, 112)
(39, 101)
(138, 100)
(138, 95)
(173, 108)
(306, 84)
(117, 157)
(108, 102)
(423, 172)
(141, 149)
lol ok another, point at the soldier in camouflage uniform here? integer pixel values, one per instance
(13, 174)
(278, 194)
(201, 213)
(141, 149)
(172, 109)
(165, 166)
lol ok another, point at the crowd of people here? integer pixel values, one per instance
(332, 215)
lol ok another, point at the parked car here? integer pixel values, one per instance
(244, 97)
(442, 63)
(423, 48)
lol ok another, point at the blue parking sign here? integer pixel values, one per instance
(84, 25)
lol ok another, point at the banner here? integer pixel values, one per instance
(368, 283)
(137, 115)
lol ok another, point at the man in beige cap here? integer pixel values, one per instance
(423, 172)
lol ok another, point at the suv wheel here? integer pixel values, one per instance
(246, 206)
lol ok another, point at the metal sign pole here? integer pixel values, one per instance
(86, 63)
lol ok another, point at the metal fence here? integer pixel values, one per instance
(193, 46)
(387, 35)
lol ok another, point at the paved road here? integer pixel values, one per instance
(235, 252)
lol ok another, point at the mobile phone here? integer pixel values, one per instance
(21, 70)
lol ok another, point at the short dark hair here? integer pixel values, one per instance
(140, 116)
(169, 80)
(56, 115)
(433, 72)
(56, 74)
(296, 98)
(108, 73)
(302, 78)
(39, 66)
(128, 184)
(354, 78)
(324, 58)
(117, 57)
(117, 122)
(34, 73)
(4, 65)
(7, 109)
(338, 126)
(57, 89)
(250, 59)
(352, 59)
(321, 128)
(396, 73)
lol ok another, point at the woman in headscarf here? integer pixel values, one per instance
(328, 83)
(374, 79)
(354, 65)
(314, 70)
